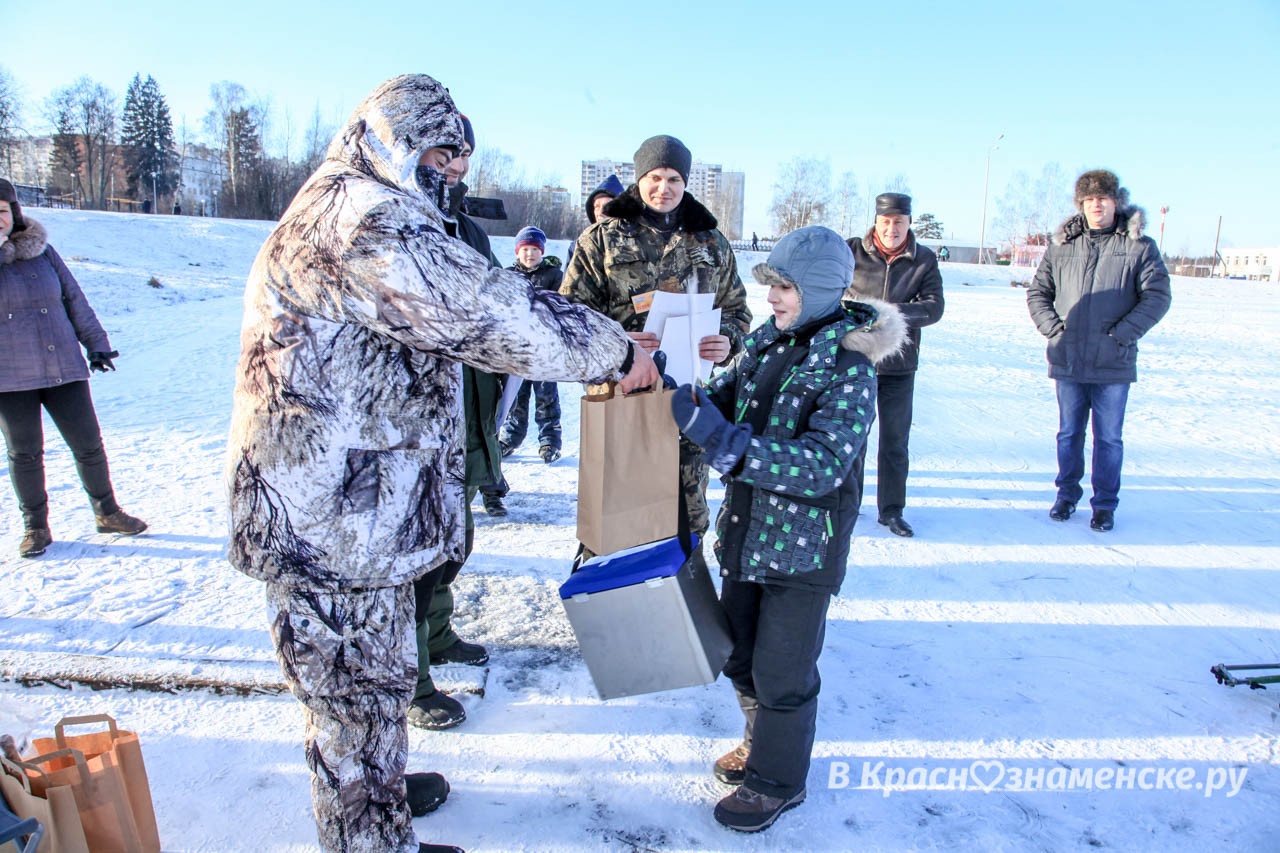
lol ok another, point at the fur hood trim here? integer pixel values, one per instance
(1131, 221)
(391, 128)
(694, 216)
(883, 336)
(26, 244)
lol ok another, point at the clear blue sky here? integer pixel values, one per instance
(1179, 98)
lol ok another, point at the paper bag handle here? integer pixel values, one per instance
(16, 770)
(80, 721)
(77, 755)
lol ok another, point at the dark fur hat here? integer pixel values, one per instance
(10, 194)
(1098, 183)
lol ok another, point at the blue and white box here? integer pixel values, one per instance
(647, 619)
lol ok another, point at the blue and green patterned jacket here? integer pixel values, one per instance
(808, 396)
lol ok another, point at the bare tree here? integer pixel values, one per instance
(1030, 209)
(228, 123)
(10, 117)
(801, 195)
(85, 112)
(845, 203)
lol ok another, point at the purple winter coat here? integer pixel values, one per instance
(43, 314)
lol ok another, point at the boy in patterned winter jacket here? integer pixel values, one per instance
(784, 424)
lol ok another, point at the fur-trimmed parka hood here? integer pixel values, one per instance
(882, 332)
(1131, 221)
(694, 216)
(26, 244)
(391, 128)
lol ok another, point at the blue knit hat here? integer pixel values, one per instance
(531, 235)
(817, 262)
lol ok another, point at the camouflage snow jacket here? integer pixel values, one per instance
(346, 461)
(809, 397)
(617, 261)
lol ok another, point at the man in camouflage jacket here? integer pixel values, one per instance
(653, 243)
(345, 469)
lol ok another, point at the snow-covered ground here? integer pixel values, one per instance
(996, 646)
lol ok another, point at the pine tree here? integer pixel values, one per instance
(928, 227)
(147, 139)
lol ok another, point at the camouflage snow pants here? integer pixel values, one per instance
(350, 659)
(694, 475)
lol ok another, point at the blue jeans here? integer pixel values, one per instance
(1107, 402)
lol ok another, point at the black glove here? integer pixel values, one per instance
(102, 360)
(724, 443)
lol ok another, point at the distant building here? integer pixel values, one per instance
(962, 251)
(1253, 264)
(30, 160)
(720, 191)
(200, 176)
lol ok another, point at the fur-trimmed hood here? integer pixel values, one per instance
(694, 216)
(26, 244)
(880, 337)
(1131, 221)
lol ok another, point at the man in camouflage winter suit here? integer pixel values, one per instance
(345, 465)
(656, 237)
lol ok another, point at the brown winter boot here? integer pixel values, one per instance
(35, 541)
(731, 768)
(120, 522)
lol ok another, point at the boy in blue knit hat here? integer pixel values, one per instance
(544, 273)
(784, 425)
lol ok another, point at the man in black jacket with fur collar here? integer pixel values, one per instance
(888, 264)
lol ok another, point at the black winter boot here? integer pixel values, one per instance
(493, 506)
(437, 711)
(747, 811)
(1062, 510)
(426, 792)
(472, 654)
(438, 848)
(1103, 520)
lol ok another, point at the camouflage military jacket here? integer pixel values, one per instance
(618, 261)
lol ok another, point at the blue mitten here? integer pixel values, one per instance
(706, 427)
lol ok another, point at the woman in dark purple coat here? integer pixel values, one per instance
(45, 318)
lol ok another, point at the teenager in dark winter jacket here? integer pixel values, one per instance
(48, 319)
(785, 424)
(544, 273)
(1100, 287)
(889, 264)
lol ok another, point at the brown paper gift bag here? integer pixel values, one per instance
(114, 761)
(628, 469)
(56, 809)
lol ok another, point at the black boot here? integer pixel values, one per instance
(437, 711)
(493, 506)
(897, 524)
(472, 654)
(438, 848)
(1062, 510)
(549, 453)
(1103, 520)
(426, 792)
(747, 811)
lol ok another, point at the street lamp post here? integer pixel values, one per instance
(982, 240)
(155, 198)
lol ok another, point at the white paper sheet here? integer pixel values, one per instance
(679, 356)
(675, 305)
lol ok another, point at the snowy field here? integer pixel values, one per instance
(996, 647)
